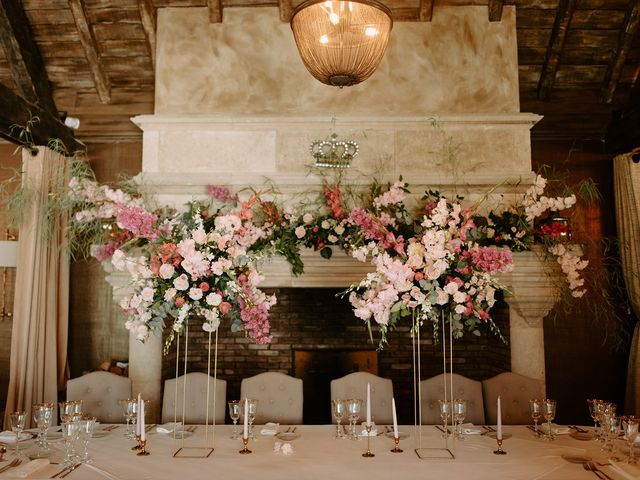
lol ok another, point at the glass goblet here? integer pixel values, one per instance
(593, 411)
(549, 413)
(67, 409)
(611, 425)
(630, 430)
(459, 413)
(354, 406)
(339, 409)
(234, 413)
(253, 409)
(535, 407)
(445, 412)
(85, 431)
(69, 435)
(18, 420)
(43, 417)
(130, 410)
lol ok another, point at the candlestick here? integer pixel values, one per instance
(245, 450)
(368, 404)
(143, 433)
(137, 446)
(397, 448)
(499, 433)
(368, 453)
(499, 451)
(245, 427)
(395, 418)
(143, 449)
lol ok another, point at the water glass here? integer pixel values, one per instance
(549, 413)
(234, 413)
(339, 409)
(85, 431)
(354, 406)
(43, 417)
(459, 414)
(535, 407)
(18, 420)
(130, 411)
(445, 412)
(630, 430)
(70, 435)
(67, 409)
(593, 411)
(611, 426)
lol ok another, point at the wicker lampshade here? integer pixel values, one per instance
(341, 42)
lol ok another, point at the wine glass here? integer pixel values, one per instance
(85, 431)
(234, 413)
(549, 413)
(611, 425)
(69, 434)
(130, 410)
(339, 410)
(354, 405)
(593, 411)
(630, 430)
(535, 406)
(43, 416)
(18, 420)
(445, 411)
(253, 409)
(459, 413)
(67, 409)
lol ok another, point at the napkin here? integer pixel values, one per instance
(269, 428)
(555, 429)
(10, 437)
(28, 468)
(469, 429)
(169, 427)
(630, 472)
(284, 448)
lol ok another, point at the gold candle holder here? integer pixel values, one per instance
(143, 449)
(245, 450)
(368, 453)
(499, 451)
(137, 446)
(396, 448)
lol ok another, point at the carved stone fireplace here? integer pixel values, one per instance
(236, 107)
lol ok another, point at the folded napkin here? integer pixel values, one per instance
(169, 427)
(470, 429)
(10, 437)
(630, 472)
(28, 468)
(283, 448)
(555, 429)
(374, 430)
(269, 428)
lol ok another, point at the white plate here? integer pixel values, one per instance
(582, 435)
(576, 458)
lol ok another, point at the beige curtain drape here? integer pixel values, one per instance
(626, 182)
(41, 302)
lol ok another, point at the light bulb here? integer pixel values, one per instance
(324, 39)
(371, 31)
(334, 18)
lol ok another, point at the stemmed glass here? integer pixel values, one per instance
(445, 412)
(549, 413)
(593, 411)
(70, 428)
(67, 409)
(354, 405)
(43, 416)
(85, 431)
(130, 410)
(234, 413)
(459, 412)
(253, 409)
(18, 420)
(611, 426)
(535, 406)
(339, 410)
(630, 430)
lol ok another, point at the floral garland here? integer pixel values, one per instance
(441, 259)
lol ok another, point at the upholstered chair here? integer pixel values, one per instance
(515, 391)
(100, 393)
(432, 390)
(354, 385)
(195, 411)
(279, 397)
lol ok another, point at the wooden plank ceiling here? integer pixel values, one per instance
(578, 58)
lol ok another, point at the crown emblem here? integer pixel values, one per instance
(331, 153)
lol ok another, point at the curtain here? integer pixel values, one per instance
(626, 182)
(41, 302)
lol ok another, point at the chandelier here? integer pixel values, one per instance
(341, 42)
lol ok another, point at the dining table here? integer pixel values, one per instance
(315, 454)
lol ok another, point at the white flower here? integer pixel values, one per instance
(442, 298)
(195, 293)
(166, 271)
(459, 297)
(147, 294)
(300, 232)
(119, 260)
(460, 309)
(169, 294)
(325, 224)
(124, 303)
(339, 229)
(332, 238)
(199, 236)
(307, 218)
(213, 299)
(182, 282)
(451, 288)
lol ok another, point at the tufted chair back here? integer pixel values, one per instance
(432, 390)
(354, 385)
(100, 393)
(279, 397)
(515, 391)
(196, 398)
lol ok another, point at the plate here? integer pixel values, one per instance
(576, 458)
(494, 435)
(287, 436)
(582, 435)
(401, 435)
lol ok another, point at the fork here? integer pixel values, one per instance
(14, 463)
(591, 467)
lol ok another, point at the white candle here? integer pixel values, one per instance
(499, 434)
(138, 417)
(245, 430)
(143, 435)
(395, 418)
(368, 405)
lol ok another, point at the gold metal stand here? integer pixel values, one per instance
(396, 448)
(368, 453)
(143, 449)
(245, 450)
(137, 447)
(499, 451)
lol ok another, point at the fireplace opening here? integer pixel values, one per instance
(317, 367)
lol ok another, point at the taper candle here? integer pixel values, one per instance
(245, 428)
(138, 417)
(395, 418)
(499, 433)
(143, 435)
(368, 404)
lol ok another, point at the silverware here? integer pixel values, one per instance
(70, 470)
(14, 463)
(442, 429)
(592, 466)
(294, 430)
(64, 469)
(148, 428)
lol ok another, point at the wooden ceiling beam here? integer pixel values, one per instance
(23, 55)
(495, 10)
(629, 29)
(215, 11)
(556, 45)
(425, 12)
(148, 18)
(88, 41)
(43, 125)
(285, 7)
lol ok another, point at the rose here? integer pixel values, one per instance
(180, 302)
(300, 232)
(224, 307)
(181, 283)
(204, 286)
(307, 218)
(166, 271)
(147, 294)
(195, 294)
(214, 299)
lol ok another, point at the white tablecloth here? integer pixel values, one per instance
(319, 456)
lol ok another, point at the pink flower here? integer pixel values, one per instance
(137, 221)
(222, 194)
(332, 196)
(491, 259)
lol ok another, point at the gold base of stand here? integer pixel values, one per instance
(396, 448)
(137, 447)
(245, 450)
(143, 449)
(499, 451)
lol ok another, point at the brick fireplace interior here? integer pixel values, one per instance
(317, 338)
